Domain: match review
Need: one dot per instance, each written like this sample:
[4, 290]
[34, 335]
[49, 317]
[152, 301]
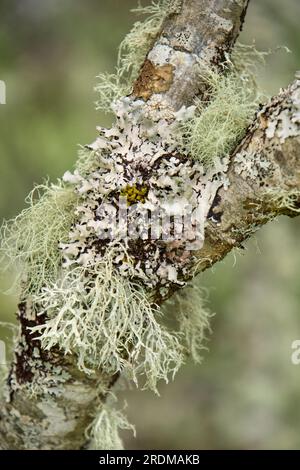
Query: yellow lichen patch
[153, 79]
[134, 194]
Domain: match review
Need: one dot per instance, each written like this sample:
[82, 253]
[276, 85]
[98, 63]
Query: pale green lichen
[220, 121]
[108, 322]
[86, 161]
[104, 431]
[193, 318]
[131, 55]
[284, 199]
[246, 60]
[110, 87]
[30, 242]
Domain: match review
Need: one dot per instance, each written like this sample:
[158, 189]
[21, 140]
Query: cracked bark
[196, 29]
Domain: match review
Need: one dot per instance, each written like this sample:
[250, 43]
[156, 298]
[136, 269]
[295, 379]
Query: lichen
[30, 242]
[104, 431]
[132, 52]
[108, 322]
[246, 60]
[221, 119]
[193, 318]
[286, 199]
[134, 194]
[96, 287]
[252, 165]
[285, 122]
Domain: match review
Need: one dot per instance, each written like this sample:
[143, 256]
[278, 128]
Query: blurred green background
[247, 392]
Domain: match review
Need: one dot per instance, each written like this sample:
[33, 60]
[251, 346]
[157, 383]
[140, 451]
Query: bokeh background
[247, 392]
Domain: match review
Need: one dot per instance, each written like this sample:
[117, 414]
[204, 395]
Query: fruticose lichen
[3, 379]
[132, 52]
[104, 432]
[220, 121]
[193, 318]
[96, 277]
[98, 284]
[108, 322]
[283, 199]
[30, 242]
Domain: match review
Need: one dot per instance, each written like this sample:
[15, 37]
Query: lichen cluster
[193, 318]
[284, 123]
[132, 52]
[283, 199]
[142, 153]
[99, 297]
[281, 122]
[104, 432]
[108, 322]
[30, 242]
[102, 306]
[96, 284]
[252, 165]
[10, 345]
[221, 119]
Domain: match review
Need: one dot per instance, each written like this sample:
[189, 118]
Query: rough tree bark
[267, 185]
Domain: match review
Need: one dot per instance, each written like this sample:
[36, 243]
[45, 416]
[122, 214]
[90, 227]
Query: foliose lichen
[98, 284]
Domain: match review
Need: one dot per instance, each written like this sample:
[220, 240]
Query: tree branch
[50, 402]
[196, 31]
[264, 178]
